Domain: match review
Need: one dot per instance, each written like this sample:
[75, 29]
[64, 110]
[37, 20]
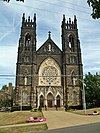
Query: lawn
[24, 129]
[82, 112]
[19, 117]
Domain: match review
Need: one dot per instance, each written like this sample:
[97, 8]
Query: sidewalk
[61, 119]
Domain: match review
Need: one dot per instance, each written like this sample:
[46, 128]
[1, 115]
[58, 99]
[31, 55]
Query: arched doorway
[50, 100]
[41, 101]
[58, 101]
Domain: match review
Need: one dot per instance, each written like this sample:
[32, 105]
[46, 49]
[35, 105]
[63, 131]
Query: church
[48, 76]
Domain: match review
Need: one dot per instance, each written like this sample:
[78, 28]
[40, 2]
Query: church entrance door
[41, 101]
[50, 100]
[58, 101]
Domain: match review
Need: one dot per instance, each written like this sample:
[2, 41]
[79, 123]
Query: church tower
[25, 67]
[72, 63]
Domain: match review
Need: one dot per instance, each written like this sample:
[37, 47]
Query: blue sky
[49, 16]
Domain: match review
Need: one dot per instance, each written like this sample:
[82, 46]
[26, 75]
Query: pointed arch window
[27, 40]
[26, 59]
[73, 60]
[71, 42]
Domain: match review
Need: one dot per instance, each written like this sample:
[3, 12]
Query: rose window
[49, 74]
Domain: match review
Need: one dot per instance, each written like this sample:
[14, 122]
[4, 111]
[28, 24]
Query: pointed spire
[34, 17]
[23, 18]
[64, 18]
[28, 18]
[69, 20]
[75, 20]
[49, 34]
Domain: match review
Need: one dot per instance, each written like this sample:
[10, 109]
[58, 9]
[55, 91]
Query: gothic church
[48, 75]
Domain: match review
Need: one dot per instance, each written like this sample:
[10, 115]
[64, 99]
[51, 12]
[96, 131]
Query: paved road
[61, 119]
[89, 128]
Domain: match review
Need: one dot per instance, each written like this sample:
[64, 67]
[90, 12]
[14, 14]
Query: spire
[75, 21]
[64, 18]
[28, 18]
[34, 17]
[49, 34]
[69, 20]
[23, 18]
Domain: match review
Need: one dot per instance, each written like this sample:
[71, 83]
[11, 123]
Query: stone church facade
[48, 75]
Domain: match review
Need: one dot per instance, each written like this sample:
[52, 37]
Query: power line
[62, 6]
[73, 4]
[52, 11]
[44, 10]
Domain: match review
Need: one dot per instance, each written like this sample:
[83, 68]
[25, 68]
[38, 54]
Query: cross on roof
[49, 33]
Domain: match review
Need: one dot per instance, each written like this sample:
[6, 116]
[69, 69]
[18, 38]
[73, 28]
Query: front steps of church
[54, 109]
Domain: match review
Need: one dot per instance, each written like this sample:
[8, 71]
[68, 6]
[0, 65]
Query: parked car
[31, 119]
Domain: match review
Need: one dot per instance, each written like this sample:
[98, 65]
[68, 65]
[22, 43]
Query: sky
[49, 16]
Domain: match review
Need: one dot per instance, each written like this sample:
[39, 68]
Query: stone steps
[54, 109]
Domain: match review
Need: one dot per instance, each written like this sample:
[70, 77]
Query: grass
[19, 117]
[82, 112]
[24, 129]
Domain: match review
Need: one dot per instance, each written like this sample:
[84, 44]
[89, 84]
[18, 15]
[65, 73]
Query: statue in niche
[25, 81]
[49, 47]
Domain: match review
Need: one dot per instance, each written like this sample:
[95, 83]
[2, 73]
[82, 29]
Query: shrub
[18, 108]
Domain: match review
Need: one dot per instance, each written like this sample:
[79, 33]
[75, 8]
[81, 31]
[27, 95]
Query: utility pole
[84, 99]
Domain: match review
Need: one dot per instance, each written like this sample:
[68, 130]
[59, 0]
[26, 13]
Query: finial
[29, 19]
[34, 17]
[75, 20]
[49, 34]
[69, 20]
[64, 17]
[23, 18]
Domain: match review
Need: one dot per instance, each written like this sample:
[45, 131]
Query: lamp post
[83, 95]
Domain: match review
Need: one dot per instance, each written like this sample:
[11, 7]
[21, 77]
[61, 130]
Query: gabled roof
[50, 47]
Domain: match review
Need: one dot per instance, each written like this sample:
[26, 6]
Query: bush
[18, 108]
[35, 110]
[66, 107]
[78, 107]
[15, 108]
[26, 107]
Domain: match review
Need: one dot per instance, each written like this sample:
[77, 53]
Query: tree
[92, 90]
[8, 97]
[4, 88]
[95, 4]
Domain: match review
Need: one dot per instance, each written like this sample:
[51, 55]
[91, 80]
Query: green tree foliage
[4, 88]
[92, 90]
[7, 100]
[95, 4]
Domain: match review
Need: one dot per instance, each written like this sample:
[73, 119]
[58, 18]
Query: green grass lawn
[24, 129]
[19, 117]
[82, 112]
